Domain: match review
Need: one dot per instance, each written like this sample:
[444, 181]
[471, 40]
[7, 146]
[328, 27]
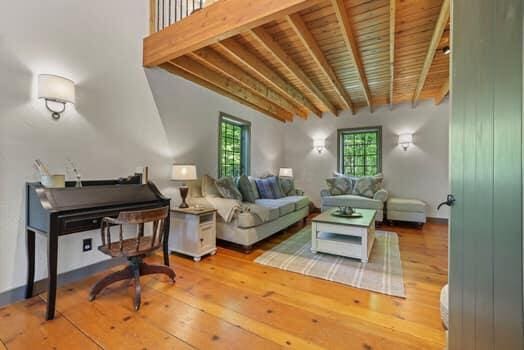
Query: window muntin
[233, 146]
[360, 151]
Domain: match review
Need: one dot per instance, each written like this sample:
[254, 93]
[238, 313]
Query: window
[360, 151]
[233, 146]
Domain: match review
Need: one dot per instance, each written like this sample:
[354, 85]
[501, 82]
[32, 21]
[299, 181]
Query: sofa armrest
[325, 193]
[381, 195]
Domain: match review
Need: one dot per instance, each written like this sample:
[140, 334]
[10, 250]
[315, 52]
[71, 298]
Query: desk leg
[52, 254]
[166, 239]
[30, 263]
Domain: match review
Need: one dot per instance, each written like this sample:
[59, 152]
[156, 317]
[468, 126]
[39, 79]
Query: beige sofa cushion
[283, 206]
[254, 215]
[353, 201]
[299, 201]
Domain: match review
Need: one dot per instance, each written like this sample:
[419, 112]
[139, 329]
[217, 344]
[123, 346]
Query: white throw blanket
[226, 208]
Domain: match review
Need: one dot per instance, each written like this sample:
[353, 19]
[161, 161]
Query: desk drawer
[79, 224]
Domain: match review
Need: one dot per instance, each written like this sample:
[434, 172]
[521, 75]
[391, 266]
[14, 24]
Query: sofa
[246, 223]
[375, 197]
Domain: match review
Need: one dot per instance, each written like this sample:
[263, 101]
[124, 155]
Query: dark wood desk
[56, 212]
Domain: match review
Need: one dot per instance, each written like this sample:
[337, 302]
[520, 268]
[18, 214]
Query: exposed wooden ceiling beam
[266, 74]
[171, 68]
[214, 23]
[392, 20]
[232, 71]
[224, 83]
[272, 46]
[354, 53]
[442, 93]
[442, 21]
[308, 40]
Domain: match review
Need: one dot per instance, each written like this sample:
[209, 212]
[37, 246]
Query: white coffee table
[349, 237]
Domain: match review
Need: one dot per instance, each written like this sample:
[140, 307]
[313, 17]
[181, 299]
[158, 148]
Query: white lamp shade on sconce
[319, 145]
[183, 172]
[285, 172]
[405, 140]
[56, 88]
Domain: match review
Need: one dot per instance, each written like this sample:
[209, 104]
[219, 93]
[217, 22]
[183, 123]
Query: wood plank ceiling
[329, 56]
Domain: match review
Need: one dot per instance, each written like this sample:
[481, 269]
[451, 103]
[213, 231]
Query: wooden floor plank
[109, 324]
[339, 310]
[22, 326]
[228, 301]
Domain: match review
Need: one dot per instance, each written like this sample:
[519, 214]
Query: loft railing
[163, 13]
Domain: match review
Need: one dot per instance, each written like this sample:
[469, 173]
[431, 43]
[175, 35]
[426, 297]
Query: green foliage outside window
[233, 148]
[360, 153]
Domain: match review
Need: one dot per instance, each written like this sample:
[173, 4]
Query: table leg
[166, 239]
[52, 258]
[314, 238]
[30, 263]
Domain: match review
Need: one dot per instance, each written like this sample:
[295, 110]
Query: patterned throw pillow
[339, 185]
[249, 192]
[287, 184]
[254, 186]
[269, 188]
[227, 188]
[209, 187]
[367, 185]
[195, 188]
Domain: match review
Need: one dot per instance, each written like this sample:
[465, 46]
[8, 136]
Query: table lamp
[285, 172]
[181, 173]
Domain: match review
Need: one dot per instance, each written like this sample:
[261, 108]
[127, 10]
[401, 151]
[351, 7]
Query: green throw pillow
[367, 185]
[287, 184]
[339, 185]
[227, 188]
[248, 191]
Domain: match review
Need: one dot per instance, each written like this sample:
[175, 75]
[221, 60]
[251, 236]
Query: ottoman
[405, 209]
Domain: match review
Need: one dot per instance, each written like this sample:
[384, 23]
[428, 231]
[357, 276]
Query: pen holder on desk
[53, 181]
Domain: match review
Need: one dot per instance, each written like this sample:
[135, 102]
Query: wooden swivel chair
[134, 249]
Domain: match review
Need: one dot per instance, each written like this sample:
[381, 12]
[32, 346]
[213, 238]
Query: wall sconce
[58, 91]
[405, 140]
[319, 145]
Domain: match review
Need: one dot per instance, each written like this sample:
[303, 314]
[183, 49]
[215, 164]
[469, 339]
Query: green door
[485, 279]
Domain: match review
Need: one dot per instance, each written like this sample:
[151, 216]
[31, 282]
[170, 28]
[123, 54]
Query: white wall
[124, 117]
[420, 172]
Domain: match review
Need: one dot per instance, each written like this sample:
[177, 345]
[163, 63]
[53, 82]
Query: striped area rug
[383, 272]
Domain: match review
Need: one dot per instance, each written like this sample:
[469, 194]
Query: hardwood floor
[227, 301]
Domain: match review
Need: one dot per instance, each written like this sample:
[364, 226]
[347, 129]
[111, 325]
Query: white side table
[193, 232]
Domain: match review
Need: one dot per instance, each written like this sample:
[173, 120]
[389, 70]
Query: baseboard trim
[437, 220]
[17, 294]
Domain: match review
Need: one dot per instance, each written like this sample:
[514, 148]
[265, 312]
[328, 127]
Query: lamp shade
[56, 88]
[285, 172]
[183, 172]
[319, 143]
[405, 139]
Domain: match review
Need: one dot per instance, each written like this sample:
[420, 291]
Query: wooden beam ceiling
[232, 71]
[171, 68]
[213, 24]
[440, 25]
[295, 57]
[444, 90]
[392, 26]
[350, 41]
[266, 74]
[274, 48]
[308, 40]
[232, 87]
